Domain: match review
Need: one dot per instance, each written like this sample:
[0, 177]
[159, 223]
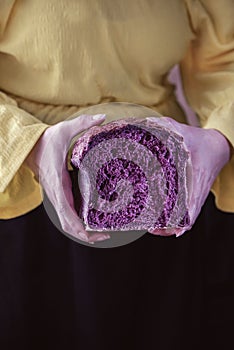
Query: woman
[56, 58]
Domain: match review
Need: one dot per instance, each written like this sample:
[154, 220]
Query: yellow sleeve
[19, 132]
[207, 71]
[22, 195]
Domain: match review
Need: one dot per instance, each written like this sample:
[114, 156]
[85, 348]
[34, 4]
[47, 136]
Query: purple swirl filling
[144, 209]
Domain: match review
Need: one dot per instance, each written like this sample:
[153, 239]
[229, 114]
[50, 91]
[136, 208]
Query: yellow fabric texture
[56, 57]
[208, 77]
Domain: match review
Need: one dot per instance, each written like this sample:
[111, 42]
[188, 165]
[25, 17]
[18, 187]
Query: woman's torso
[58, 56]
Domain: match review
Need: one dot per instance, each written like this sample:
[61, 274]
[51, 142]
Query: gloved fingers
[76, 125]
[69, 219]
[163, 121]
[56, 182]
[71, 224]
[172, 125]
[167, 231]
[97, 236]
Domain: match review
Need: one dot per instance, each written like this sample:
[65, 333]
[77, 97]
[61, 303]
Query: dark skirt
[161, 293]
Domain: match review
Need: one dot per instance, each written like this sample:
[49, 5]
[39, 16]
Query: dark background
[154, 293]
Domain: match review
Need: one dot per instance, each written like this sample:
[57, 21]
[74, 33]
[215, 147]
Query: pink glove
[48, 161]
[209, 151]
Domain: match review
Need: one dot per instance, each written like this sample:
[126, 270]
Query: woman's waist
[54, 113]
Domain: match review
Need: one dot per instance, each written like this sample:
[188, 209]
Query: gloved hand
[48, 162]
[209, 151]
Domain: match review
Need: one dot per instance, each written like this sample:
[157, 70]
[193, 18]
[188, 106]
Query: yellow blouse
[58, 56]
